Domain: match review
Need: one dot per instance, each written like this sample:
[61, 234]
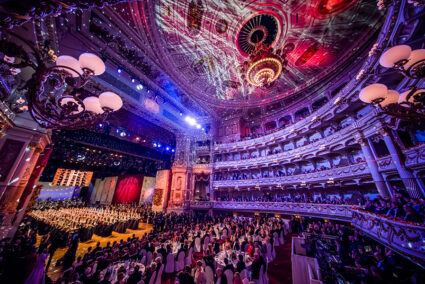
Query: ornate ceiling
[202, 44]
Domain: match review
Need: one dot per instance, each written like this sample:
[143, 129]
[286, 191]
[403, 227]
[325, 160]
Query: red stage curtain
[128, 189]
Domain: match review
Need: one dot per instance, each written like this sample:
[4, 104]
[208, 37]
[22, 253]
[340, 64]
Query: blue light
[159, 145]
[100, 125]
[119, 70]
[181, 114]
[172, 150]
[154, 144]
[167, 148]
[133, 80]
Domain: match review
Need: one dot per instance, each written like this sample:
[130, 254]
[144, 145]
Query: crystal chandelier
[55, 93]
[264, 65]
[410, 104]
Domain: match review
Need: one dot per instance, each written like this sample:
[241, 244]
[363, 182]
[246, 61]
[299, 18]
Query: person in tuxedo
[240, 265]
[228, 266]
[256, 267]
[395, 211]
[184, 277]
[163, 252]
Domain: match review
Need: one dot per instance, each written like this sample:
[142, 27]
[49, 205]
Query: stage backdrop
[103, 190]
[128, 189]
[162, 189]
[147, 190]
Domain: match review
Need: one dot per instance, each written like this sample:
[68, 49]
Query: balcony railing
[415, 156]
[405, 238]
[331, 174]
[329, 211]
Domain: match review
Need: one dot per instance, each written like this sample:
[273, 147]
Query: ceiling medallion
[262, 28]
[265, 65]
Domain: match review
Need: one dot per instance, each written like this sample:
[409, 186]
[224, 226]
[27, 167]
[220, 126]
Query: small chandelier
[264, 66]
[55, 95]
[409, 105]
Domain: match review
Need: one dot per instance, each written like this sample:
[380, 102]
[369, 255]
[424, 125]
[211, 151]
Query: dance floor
[55, 271]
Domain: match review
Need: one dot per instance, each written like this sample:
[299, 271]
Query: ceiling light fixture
[55, 95]
[409, 105]
[264, 65]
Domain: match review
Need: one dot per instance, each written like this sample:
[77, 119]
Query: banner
[103, 191]
[162, 189]
[148, 189]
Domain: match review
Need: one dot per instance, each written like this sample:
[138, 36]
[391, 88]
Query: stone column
[373, 167]
[406, 175]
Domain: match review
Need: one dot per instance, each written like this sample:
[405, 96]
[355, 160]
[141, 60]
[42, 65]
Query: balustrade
[337, 212]
[406, 238]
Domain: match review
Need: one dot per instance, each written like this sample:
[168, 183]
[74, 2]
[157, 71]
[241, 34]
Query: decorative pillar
[406, 176]
[181, 181]
[373, 167]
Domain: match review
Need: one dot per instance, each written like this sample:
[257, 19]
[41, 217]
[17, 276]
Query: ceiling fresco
[202, 45]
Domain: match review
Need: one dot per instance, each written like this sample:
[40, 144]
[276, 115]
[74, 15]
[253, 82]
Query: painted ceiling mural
[204, 43]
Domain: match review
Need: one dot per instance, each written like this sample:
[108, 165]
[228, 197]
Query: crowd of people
[59, 203]
[346, 253]
[63, 222]
[401, 207]
[299, 198]
[278, 173]
[190, 248]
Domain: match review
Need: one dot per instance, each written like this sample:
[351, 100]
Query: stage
[55, 271]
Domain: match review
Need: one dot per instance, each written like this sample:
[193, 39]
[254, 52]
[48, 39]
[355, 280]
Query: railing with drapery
[404, 237]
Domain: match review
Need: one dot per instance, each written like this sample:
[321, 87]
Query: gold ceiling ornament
[265, 65]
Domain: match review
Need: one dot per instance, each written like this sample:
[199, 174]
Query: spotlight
[133, 80]
[100, 125]
[122, 134]
[181, 114]
[172, 150]
[119, 70]
[198, 126]
[154, 144]
[159, 145]
[167, 148]
[190, 120]
[203, 129]
[139, 87]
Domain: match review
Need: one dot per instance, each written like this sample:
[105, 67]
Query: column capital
[362, 141]
[383, 132]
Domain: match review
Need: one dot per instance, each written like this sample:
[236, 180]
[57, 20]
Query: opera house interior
[212, 141]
